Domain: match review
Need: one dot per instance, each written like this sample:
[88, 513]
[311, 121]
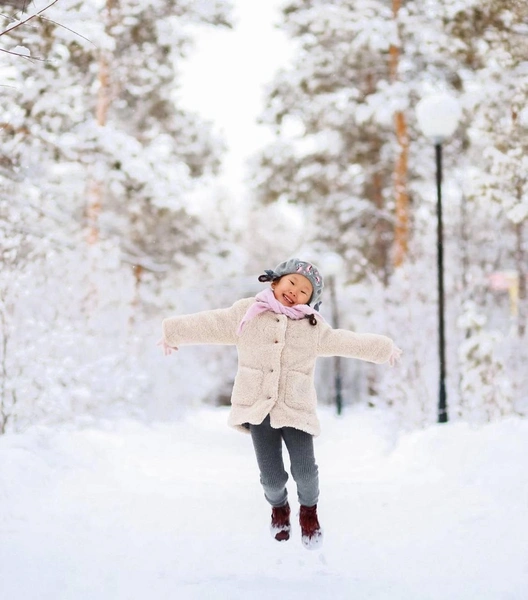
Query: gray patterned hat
[294, 265]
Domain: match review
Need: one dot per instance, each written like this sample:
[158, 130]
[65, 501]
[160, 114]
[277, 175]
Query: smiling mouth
[287, 299]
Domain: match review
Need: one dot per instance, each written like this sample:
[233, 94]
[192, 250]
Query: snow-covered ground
[175, 511]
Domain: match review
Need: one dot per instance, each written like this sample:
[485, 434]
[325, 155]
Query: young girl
[279, 334]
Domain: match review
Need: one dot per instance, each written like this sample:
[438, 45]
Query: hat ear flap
[269, 275]
[316, 307]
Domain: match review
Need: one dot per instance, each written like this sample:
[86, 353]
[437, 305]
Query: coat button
[271, 370]
[278, 320]
[276, 341]
[269, 397]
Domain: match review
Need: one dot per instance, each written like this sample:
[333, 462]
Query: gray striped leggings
[273, 477]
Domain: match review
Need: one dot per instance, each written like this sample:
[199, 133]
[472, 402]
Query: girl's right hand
[167, 349]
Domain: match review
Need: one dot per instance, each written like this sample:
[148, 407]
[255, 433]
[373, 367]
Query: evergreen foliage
[112, 214]
[99, 166]
[359, 69]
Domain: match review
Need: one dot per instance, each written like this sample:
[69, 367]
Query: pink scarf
[266, 301]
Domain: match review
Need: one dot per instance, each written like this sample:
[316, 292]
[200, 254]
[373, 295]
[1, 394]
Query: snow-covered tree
[330, 154]
[497, 96]
[485, 389]
[348, 150]
[101, 165]
[116, 152]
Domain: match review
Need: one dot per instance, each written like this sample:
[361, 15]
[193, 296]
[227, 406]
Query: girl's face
[292, 289]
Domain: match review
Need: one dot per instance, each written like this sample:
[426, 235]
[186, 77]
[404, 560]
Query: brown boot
[280, 522]
[312, 534]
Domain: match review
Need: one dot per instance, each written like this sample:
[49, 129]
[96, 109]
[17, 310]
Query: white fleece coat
[276, 360]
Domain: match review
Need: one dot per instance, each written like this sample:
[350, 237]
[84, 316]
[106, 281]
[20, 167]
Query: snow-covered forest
[112, 215]
[119, 479]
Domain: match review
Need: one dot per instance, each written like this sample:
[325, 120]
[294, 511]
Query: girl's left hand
[395, 356]
[167, 349]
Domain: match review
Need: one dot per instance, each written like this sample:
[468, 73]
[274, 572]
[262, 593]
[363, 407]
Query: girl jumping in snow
[279, 334]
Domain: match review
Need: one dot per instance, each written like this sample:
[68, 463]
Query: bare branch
[38, 15]
[18, 4]
[67, 29]
[29, 18]
[21, 55]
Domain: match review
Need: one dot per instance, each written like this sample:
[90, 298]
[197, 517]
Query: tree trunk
[95, 186]
[520, 263]
[136, 300]
[380, 249]
[401, 229]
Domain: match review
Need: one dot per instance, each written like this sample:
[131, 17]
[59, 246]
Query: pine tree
[344, 116]
[334, 162]
[100, 165]
[496, 49]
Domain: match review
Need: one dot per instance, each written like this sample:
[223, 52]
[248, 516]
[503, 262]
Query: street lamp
[332, 264]
[438, 118]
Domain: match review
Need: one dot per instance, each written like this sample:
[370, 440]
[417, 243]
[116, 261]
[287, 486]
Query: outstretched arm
[364, 346]
[206, 327]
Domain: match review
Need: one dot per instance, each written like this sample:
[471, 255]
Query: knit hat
[301, 267]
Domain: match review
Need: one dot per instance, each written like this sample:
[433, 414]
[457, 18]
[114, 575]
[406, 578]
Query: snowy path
[175, 512]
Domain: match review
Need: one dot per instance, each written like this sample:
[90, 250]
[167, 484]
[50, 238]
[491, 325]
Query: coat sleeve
[206, 327]
[364, 346]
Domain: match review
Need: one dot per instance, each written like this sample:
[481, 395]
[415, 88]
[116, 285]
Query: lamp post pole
[442, 396]
[332, 265]
[438, 117]
[338, 382]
